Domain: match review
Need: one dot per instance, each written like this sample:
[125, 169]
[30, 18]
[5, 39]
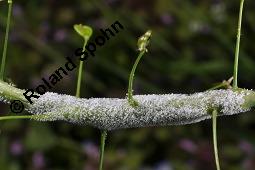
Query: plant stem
[214, 127]
[217, 86]
[156, 111]
[16, 117]
[6, 40]
[131, 79]
[238, 44]
[78, 88]
[102, 146]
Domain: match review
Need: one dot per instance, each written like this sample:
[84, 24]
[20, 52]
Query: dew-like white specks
[153, 110]
[4, 98]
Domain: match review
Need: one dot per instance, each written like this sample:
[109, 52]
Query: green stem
[238, 44]
[10, 93]
[16, 117]
[214, 126]
[218, 86]
[104, 133]
[102, 146]
[131, 79]
[78, 88]
[6, 40]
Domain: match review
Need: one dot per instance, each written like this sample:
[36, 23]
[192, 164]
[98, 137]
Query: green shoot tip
[83, 30]
[143, 41]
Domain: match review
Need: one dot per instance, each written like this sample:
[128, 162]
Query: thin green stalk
[16, 117]
[6, 40]
[131, 79]
[214, 127]
[78, 88]
[142, 44]
[102, 146]
[86, 32]
[238, 44]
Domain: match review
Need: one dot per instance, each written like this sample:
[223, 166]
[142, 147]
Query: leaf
[83, 30]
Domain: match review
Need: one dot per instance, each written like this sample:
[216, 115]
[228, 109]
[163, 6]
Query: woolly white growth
[153, 110]
[3, 98]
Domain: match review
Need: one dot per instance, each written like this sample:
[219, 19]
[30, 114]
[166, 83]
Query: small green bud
[143, 41]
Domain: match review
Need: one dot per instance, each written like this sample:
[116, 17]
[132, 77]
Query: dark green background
[191, 49]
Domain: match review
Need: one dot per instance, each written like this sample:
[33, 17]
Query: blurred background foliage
[191, 49]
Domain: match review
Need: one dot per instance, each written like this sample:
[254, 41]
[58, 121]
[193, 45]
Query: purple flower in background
[17, 11]
[246, 147]
[38, 160]
[91, 150]
[166, 19]
[164, 165]
[16, 148]
[204, 152]
[188, 145]
[60, 35]
[249, 164]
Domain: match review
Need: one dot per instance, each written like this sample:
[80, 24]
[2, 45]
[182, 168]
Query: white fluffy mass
[153, 110]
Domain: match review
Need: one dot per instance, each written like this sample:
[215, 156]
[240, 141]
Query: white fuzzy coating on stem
[153, 110]
[4, 100]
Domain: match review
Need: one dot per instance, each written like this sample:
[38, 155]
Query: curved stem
[78, 88]
[102, 146]
[131, 79]
[238, 44]
[214, 127]
[6, 40]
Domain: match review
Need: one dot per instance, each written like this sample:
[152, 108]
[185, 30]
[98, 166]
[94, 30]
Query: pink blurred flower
[166, 19]
[246, 147]
[38, 160]
[188, 145]
[91, 150]
[16, 148]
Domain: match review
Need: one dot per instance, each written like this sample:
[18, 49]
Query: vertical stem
[102, 146]
[238, 44]
[78, 88]
[131, 77]
[214, 126]
[6, 40]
